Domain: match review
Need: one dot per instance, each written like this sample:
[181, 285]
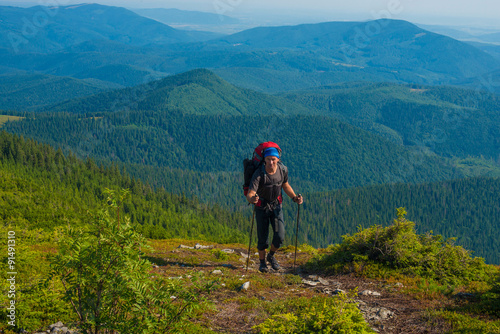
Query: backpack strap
[284, 169]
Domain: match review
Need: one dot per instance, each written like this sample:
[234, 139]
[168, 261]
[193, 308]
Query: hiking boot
[274, 263]
[263, 268]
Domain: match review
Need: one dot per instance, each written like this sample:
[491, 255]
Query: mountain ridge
[466, 120]
[28, 92]
[380, 43]
[65, 26]
[322, 53]
[189, 92]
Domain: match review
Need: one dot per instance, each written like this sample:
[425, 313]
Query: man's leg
[262, 237]
[262, 253]
[278, 236]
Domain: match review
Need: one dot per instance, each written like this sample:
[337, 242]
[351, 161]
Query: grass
[6, 118]
[474, 167]
[466, 324]
[232, 310]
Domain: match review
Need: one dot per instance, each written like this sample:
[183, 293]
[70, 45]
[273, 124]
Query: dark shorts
[273, 218]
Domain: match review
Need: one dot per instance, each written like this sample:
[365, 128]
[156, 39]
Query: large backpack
[251, 165]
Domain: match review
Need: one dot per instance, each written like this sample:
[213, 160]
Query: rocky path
[384, 305]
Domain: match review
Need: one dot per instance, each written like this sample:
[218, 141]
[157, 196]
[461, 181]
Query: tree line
[43, 188]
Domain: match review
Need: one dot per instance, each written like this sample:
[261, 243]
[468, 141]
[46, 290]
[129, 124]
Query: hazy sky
[458, 12]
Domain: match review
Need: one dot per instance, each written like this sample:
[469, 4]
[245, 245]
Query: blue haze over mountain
[116, 45]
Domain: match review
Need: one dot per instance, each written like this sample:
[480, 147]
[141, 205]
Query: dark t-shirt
[270, 187]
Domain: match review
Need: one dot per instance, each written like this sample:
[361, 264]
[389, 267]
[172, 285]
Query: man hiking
[265, 192]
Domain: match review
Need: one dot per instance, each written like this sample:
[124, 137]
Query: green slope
[448, 121]
[323, 152]
[71, 25]
[196, 92]
[42, 188]
[25, 92]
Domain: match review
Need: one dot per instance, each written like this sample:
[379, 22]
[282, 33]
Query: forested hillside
[28, 92]
[94, 21]
[209, 167]
[323, 152]
[40, 187]
[189, 134]
[196, 92]
[448, 121]
[465, 209]
[66, 186]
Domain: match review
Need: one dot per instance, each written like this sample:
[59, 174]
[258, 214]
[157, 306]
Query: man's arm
[289, 191]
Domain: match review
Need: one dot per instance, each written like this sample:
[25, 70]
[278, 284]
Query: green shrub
[108, 282]
[315, 315]
[382, 251]
[464, 324]
[304, 248]
[219, 254]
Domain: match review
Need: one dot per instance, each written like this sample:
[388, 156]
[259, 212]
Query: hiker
[265, 192]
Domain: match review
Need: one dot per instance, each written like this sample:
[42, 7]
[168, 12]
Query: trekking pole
[250, 242]
[296, 234]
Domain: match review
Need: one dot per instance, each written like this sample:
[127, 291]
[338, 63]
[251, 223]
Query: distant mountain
[290, 57]
[492, 38]
[391, 44]
[65, 26]
[217, 24]
[173, 16]
[25, 92]
[491, 49]
[123, 75]
[449, 121]
[304, 36]
[468, 34]
[452, 32]
[198, 92]
[104, 60]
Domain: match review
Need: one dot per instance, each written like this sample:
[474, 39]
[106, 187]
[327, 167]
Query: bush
[464, 324]
[107, 280]
[316, 315]
[398, 248]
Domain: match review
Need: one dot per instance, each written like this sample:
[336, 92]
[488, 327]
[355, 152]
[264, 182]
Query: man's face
[271, 161]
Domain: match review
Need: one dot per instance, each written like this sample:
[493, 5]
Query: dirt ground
[404, 314]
